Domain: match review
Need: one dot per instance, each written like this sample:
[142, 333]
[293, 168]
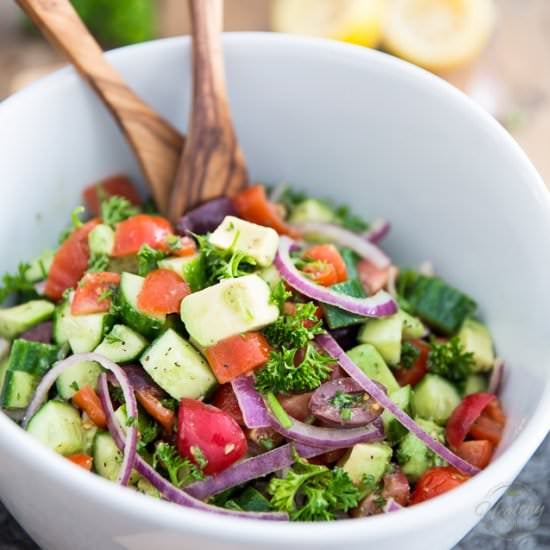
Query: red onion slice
[379, 305]
[251, 468]
[377, 231]
[496, 376]
[41, 395]
[169, 491]
[250, 402]
[336, 352]
[392, 506]
[343, 237]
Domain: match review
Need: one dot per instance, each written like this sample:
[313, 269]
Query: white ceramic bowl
[340, 121]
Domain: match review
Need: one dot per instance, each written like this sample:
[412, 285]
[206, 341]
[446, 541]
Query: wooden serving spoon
[212, 163]
[155, 142]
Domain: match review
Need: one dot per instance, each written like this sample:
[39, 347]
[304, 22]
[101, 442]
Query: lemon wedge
[356, 21]
[439, 35]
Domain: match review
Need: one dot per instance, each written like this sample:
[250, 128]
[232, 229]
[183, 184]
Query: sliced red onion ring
[343, 237]
[379, 305]
[129, 448]
[392, 506]
[251, 468]
[250, 402]
[496, 376]
[335, 351]
[169, 491]
[377, 231]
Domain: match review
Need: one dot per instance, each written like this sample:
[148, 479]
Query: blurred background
[497, 51]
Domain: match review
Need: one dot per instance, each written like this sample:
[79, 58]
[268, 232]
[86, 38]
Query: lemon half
[356, 21]
[439, 35]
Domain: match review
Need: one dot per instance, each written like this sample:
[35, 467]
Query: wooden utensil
[155, 142]
[212, 163]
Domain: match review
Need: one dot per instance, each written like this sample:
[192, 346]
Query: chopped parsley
[98, 262]
[199, 457]
[181, 471]
[450, 360]
[74, 386]
[279, 295]
[17, 284]
[313, 493]
[117, 209]
[75, 223]
[345, 402]
[148, 259]
[409, 355]
[112, 338]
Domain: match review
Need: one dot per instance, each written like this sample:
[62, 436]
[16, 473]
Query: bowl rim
[170, 516]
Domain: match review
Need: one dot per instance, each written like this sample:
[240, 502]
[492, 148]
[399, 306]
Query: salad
[264, 358]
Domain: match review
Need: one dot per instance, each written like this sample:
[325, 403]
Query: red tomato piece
[208, 431]
[252, 205]
[372, 277]
[226, 400]
[396, 486]
[477, 453]
[435, 482]
[162, 292]
[185, 247]
[484, 428]
[87, 400]
[329, 254]
[416, 372]
[321, 273]
[70, 262]
[133, 233]
[465, 414]
[237, 355]
[153, 406]
[119, 186]
[82, 460]
[93, 293]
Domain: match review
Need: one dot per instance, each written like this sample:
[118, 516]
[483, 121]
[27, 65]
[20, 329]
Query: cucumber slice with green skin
[394, 430]
[367, 358]
[435, 398]
[385, 335]
[122, 344]
[251, 500]
[101, 240]
[311, 210]
[58, 426]
[108, 458]
[189, 268]
[39, 268]
[338, 318]
[90, 431]
[177, 367]
[27, 363]
[475, 383]
[3, 369]
[76, 377]
[351, 259]
[366, 459]
[82, 332]
[127, 298]
[413, 455]
[16, 320]
[476, 338]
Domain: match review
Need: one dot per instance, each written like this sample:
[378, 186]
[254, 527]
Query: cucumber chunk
[475, 338]
[311, 210]
[58, 426]
[385, 335]
[16, 320]
[189, 268]
[177, 367]
[394, 430]
[367, 358]
[435, 398]
[366, 459]
[475, 383]
[122, 344]
[412, 326]
[127, 298]
[39, 268]
[107, 457]
[76, 377]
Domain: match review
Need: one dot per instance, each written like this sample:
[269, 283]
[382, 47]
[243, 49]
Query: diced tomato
[486, 428]
[418, 369]
[494, 411]
[82, 460]
[477, 453]
[435, 482]
[465, 414]
[93, 294]
[88, 401]
[329, 254]
[185, 247]
[70, 262]
[133, 233]
[119, 186]
[396, 486]
[237, 355]
[372, 277]
[226, 400]
[208, 431]
[162, 292]
[154, 407]
[252, 205]
[296, 405]
[321, 273]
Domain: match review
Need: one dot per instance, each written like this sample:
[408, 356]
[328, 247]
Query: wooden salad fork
[212, 163]
[157, 145]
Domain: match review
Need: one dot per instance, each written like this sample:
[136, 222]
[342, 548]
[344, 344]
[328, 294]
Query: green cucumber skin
[338, 318]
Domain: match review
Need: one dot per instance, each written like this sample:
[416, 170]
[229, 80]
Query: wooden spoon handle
[212, 163]
[156, 143]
